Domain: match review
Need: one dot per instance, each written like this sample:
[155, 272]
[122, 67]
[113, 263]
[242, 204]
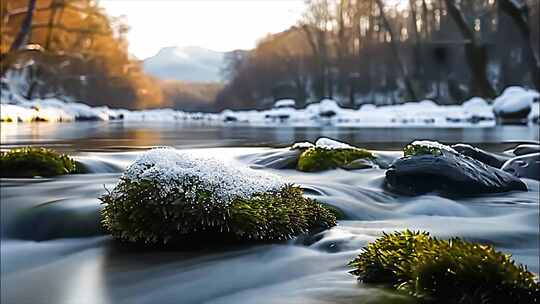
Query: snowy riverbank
[514, 102]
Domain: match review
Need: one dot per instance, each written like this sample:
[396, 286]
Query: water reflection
[125, 135]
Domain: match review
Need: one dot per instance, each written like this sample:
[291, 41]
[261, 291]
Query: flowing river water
[50, 252]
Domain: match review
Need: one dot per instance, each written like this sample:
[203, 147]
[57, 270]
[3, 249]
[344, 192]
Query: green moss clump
[319, 158]
[30, 162]
[414, 149]
[138, 212]
[338, 213]
[445, 271]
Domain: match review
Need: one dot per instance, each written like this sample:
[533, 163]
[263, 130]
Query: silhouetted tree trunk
[25, 27]
[425, 24]
[418, 67]
[395, 52]
[521, 19]
[475, 54]
[56, 9]
[317, 42]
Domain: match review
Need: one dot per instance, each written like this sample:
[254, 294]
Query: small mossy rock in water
[171, 197]
[30, 162]
[59, 219]
[329, 154]
[445, 271]
[439, 168]
[487, 158]
[524, 166]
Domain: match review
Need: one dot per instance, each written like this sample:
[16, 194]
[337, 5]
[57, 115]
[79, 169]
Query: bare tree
[25, 27]
[316, 24]
[395, 52]
[475, 54]
[520, 17]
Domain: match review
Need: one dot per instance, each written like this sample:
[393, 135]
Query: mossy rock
[328, 154]
[433, 167]
[445, 271]
[31, 161]
[319, 158]
[168, 197]
[337, 212]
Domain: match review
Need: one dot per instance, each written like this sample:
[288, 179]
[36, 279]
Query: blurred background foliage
[78, 51]
[387, 52]
[355, 51]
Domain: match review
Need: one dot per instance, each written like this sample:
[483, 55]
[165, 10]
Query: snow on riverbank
[426, 113]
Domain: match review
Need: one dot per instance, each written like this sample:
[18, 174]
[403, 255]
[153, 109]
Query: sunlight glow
[214, 24]
[399, 5]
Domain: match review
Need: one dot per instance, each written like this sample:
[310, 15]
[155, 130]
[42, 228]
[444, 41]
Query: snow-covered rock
[172, 170]
[282, 110]
[329, 144]
[475, 103]
[285, 103]
[515, 101]
[328, 108]
[179, 197]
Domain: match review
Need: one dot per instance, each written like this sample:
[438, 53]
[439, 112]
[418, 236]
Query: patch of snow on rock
[433, 144]
[515, 100]
[285, 103]
[176, 171]
[327, 143]
[302, 145]
[475, 102]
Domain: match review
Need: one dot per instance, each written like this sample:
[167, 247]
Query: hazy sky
[220, 25]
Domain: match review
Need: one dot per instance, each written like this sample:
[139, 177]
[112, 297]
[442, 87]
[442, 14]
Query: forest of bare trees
[385, 52]
[72, 50]
[354, 51]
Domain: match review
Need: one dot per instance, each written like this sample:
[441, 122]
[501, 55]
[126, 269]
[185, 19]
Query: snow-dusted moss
[31, 161]
[329, 154]
[168, 196]
[445, 271]
[422, 147]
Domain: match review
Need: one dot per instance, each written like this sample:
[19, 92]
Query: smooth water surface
[40, 267]
[124, 135]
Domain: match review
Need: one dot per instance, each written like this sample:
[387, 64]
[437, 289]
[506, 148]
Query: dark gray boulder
[524, 166]
[487, 158]
[448, 173]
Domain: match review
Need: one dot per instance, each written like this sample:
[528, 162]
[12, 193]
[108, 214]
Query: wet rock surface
[487, 158]
[524, 166]
[526, 149]
[448, 173]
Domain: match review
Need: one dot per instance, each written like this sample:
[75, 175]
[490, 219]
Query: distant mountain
[192, 63]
